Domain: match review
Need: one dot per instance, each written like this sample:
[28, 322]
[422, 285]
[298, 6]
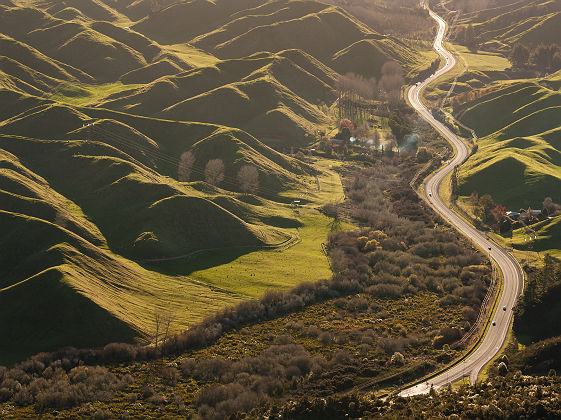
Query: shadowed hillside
[251, 93]
[500, 24]
[128, 131]
[519, 156]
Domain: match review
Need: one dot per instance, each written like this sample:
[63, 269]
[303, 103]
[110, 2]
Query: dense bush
[55, 387]
[511, 397]
[403, 255]
[245, 383]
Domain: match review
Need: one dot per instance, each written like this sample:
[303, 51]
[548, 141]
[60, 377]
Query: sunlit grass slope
[239, 29]
[547, 236]
[267, 94]
[90, 46]
[519, 156]
[67, 250]
[501, 24]
[99, 99]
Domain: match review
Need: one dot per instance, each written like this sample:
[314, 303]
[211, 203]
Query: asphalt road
[513, 278]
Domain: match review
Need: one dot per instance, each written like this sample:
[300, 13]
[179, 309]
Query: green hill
[114, 202]
[35, 60]
[518, 160]
[99, 102]
[183, 21]
[266, 14]
[151, 72]
[256, 94]
[320, 34]
[501, 24]
[366, 57]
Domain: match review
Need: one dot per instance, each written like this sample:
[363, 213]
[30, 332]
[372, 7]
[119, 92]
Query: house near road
[514, 215]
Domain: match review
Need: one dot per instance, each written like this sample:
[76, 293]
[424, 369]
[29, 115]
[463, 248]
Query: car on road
[494, 323]
[504, 308]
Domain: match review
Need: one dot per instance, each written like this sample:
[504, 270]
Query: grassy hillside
[256, 93]
[328, 33]
[500, 24]
[121, 205]
[519, 158]
[99, 102]
[112, 50]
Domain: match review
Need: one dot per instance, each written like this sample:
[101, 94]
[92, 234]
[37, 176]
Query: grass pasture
[84, 258]
[472, 71]
[251, 274]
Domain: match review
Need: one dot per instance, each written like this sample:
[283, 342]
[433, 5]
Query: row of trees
[357, 93]
[543, 57]
[247, 177]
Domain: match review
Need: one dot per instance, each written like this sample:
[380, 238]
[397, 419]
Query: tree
[185, 167]
[354, 92]
[519, 56]
[345, 127]
[556, 61]
[248, 177]
[542, 57]
[499, 213]
[474, 198]
[502, 369]
[400, 126]
[469, 38]
[486, 204]
[391, 82]
[423, 155]
[214, 171]
[157, 322]
[155, 6]
[549, 207]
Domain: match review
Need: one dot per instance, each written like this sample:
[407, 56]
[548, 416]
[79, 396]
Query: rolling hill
[240, 29]
[120, 206]
[502, 23]
[256, 93]
[518, 160]
[82, 236]
[99, 102]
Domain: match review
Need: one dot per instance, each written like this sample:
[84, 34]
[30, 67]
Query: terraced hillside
[110, 111]
[518, 160]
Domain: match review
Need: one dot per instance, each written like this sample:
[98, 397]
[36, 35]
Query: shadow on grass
[198, 262]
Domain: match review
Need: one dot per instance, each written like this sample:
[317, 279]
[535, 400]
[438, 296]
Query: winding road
[512, 275]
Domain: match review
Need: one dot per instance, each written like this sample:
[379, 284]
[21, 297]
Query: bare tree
[248, 177]
[155, 6]
[355, 92]
[214, 171]
[392, 81]
[185, 167]
[168, 320]
[157, 322]
[550, 207]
